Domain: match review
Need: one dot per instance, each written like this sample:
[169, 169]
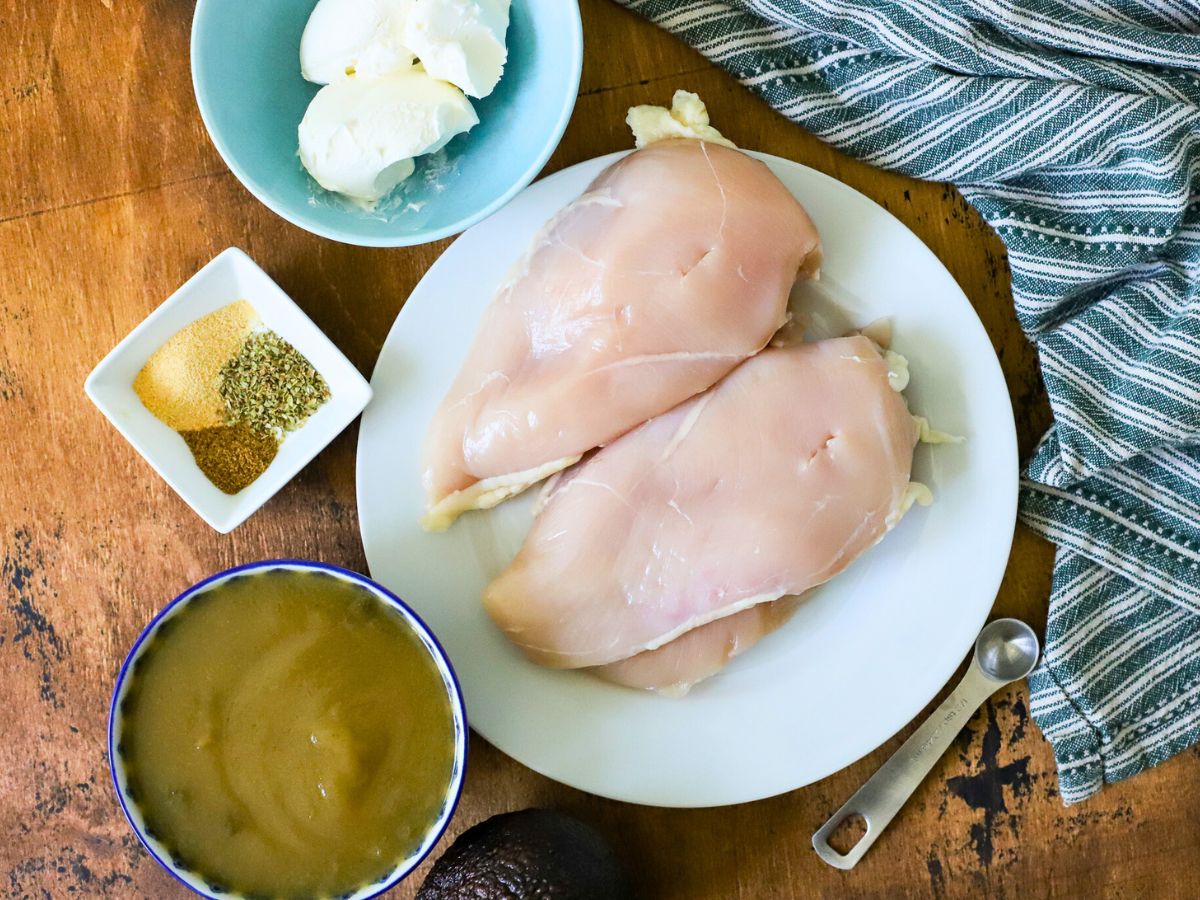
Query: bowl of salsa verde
[287, 729]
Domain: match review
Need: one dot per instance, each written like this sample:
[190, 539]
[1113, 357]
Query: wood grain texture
[112, 196]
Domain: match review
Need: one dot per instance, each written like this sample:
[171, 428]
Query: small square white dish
[229, 277]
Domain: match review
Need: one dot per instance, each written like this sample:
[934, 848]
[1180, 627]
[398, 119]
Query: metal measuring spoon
[1005, 651]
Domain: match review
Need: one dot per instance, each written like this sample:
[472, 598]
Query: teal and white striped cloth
[1073, 126]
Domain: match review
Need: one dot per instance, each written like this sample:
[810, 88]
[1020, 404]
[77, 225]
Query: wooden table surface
[111, 196]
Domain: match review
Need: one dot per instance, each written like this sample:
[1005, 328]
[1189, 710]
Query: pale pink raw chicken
[674, 668]
[767, 485]
[672, 268]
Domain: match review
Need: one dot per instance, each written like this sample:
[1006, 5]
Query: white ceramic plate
[862, 656]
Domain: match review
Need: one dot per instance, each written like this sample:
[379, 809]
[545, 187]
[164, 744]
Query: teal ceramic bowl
[246, 73]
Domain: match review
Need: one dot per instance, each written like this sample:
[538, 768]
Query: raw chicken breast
[767, 485]
[672, 268]
[674, 668]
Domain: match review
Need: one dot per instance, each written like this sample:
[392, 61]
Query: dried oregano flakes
[270, 385]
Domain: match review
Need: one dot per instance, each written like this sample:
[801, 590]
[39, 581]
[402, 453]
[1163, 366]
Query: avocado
[534, 854]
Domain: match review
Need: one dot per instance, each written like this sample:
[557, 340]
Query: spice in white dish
[178, 383]
[232, 390]
[270, 385]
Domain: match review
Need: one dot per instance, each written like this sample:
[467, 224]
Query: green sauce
[287, 735]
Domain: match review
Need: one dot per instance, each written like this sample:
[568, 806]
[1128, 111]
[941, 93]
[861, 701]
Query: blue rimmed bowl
[246, 74]
[161, 853]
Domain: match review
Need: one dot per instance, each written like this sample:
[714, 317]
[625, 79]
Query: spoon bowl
[1006, 650]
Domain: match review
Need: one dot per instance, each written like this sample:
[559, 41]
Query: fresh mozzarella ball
[359, 135]
[460, 41]
[344, 38]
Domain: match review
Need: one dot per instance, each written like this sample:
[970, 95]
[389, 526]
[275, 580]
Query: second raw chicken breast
[767, 485]
[674, 668]
[672, 268]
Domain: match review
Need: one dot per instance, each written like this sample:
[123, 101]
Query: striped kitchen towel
[1073, 126]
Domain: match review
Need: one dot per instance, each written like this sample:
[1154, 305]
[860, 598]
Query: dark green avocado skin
[535, 854]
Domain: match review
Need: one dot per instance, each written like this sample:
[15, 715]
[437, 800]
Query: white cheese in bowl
[349, 38]
[460, 41]
[395, 74]
[359, 135]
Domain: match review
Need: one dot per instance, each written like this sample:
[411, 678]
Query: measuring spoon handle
[887, 790]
